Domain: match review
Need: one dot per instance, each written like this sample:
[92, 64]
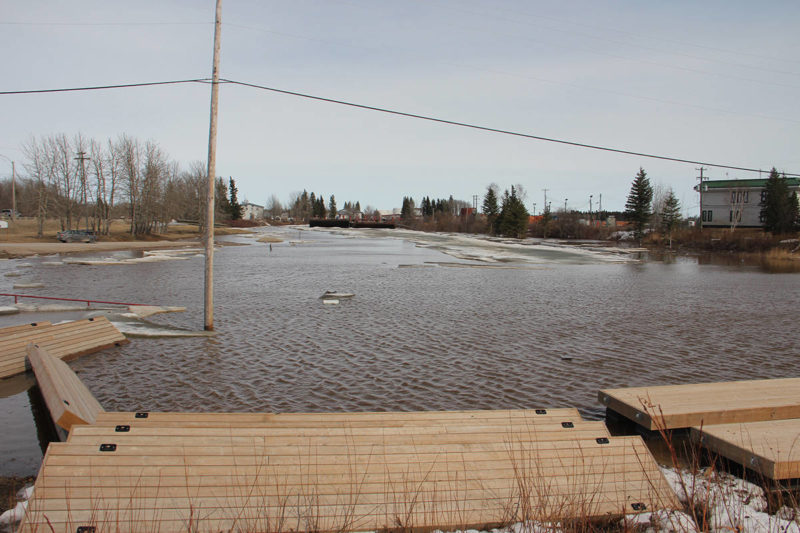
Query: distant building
[252, 211]
[734, 203]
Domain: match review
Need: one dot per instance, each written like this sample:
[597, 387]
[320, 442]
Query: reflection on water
[544, 325]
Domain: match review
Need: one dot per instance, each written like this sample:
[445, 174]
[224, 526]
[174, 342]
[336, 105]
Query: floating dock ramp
[754, 423]
[339, 471]
[65, 341]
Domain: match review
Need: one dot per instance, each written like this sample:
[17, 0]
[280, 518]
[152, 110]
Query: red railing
[88, 302]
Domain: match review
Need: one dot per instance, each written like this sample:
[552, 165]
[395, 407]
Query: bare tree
[40, 168]
[273, 207]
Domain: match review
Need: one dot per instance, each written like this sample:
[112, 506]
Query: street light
[13, 187]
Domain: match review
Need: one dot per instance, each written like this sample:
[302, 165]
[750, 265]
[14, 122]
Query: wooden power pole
[212, 172]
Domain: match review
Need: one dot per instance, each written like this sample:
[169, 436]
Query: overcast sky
[714, 81]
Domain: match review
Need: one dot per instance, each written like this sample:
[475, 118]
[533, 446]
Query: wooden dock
[754, 423]
[683, 406]
[770, 448]
[338, 471]
[66, 341]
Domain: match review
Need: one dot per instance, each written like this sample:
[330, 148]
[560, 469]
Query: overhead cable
[496, 130]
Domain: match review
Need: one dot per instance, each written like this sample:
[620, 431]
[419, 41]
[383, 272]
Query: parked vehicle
[77, 235]
[6, 213]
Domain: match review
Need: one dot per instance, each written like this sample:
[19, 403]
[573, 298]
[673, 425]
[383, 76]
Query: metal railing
[88, 302]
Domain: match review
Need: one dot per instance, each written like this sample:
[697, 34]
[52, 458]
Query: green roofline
[750, 183]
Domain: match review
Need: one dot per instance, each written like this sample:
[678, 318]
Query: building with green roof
[735, 203]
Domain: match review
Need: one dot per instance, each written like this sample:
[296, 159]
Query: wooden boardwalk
[66, 341]
[338, 471]
[683, 406]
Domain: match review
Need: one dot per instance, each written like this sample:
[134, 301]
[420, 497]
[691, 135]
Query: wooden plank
[67, 398]
[11, 330]
[683, 406]
[167, 486]
[500, 418]
[418, 434]
[65, 341]
[771, 448]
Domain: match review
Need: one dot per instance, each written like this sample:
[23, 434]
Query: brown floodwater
[437, 322]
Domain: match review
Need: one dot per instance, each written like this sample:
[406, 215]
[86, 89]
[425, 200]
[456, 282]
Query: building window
[733, 197]
[746, 196]
[761, 218]
[706, 216]
[730, 219]
[763, 196]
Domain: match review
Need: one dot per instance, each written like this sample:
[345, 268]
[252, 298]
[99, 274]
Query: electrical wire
[496, 130]
[402, 114]
[102, 87]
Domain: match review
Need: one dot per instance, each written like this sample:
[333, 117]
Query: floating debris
[330, 302]
[28, 285]
[334, 295]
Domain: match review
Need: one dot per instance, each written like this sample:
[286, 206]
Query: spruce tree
[513, 218]
[670, 215]
[490, 207]
[637, 208]
[235, 209]
[332, 207]
[779, 209]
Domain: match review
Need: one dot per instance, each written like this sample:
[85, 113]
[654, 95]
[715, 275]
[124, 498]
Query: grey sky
[713, 81]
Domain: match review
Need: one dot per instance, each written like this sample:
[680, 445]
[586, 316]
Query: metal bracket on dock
[541, 411]
[567, 425]
[86, 529]
[108, 447]
[122, 429]
[141, 415]
[638, 506]
[602, 440]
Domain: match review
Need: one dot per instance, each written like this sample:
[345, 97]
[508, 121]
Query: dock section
[65, 341]
[770, 448]
[683, 406]
[69, 401]
[338, 471]
[753, 423]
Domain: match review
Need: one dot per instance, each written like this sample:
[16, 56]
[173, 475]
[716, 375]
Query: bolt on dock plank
[338, 471]
[66, 341]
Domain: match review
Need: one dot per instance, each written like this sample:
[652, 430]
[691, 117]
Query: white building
[734, 203]
[252, 211]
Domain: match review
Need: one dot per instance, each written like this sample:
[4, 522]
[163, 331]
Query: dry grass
[26, 230]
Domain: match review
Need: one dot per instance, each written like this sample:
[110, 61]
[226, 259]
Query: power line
[102, 87]
[496, 130]
[403, 114]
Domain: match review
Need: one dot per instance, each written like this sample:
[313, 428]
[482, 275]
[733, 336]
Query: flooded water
[437, 322]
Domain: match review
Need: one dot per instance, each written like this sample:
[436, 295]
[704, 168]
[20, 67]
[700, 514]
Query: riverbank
[20, 239]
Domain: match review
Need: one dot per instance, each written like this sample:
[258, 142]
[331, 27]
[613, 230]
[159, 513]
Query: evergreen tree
[332, 207]
[670, 215]
[312, 200]
[235, 209]
[490, 207]
[221, 202]
[358, 205]
[637, 208]
[779, 210]
[513, 218]
[407, 211]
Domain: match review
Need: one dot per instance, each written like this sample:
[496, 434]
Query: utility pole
[545, 197]
[13, 191]
[534, 208]
[212, 172]
[700, 190]
[565, 205]
[82, 158]
[590, 208]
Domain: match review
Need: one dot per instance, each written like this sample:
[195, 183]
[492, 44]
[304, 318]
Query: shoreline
[16, 250]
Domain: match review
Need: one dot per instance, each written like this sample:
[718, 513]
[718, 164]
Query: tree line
[85, 182]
